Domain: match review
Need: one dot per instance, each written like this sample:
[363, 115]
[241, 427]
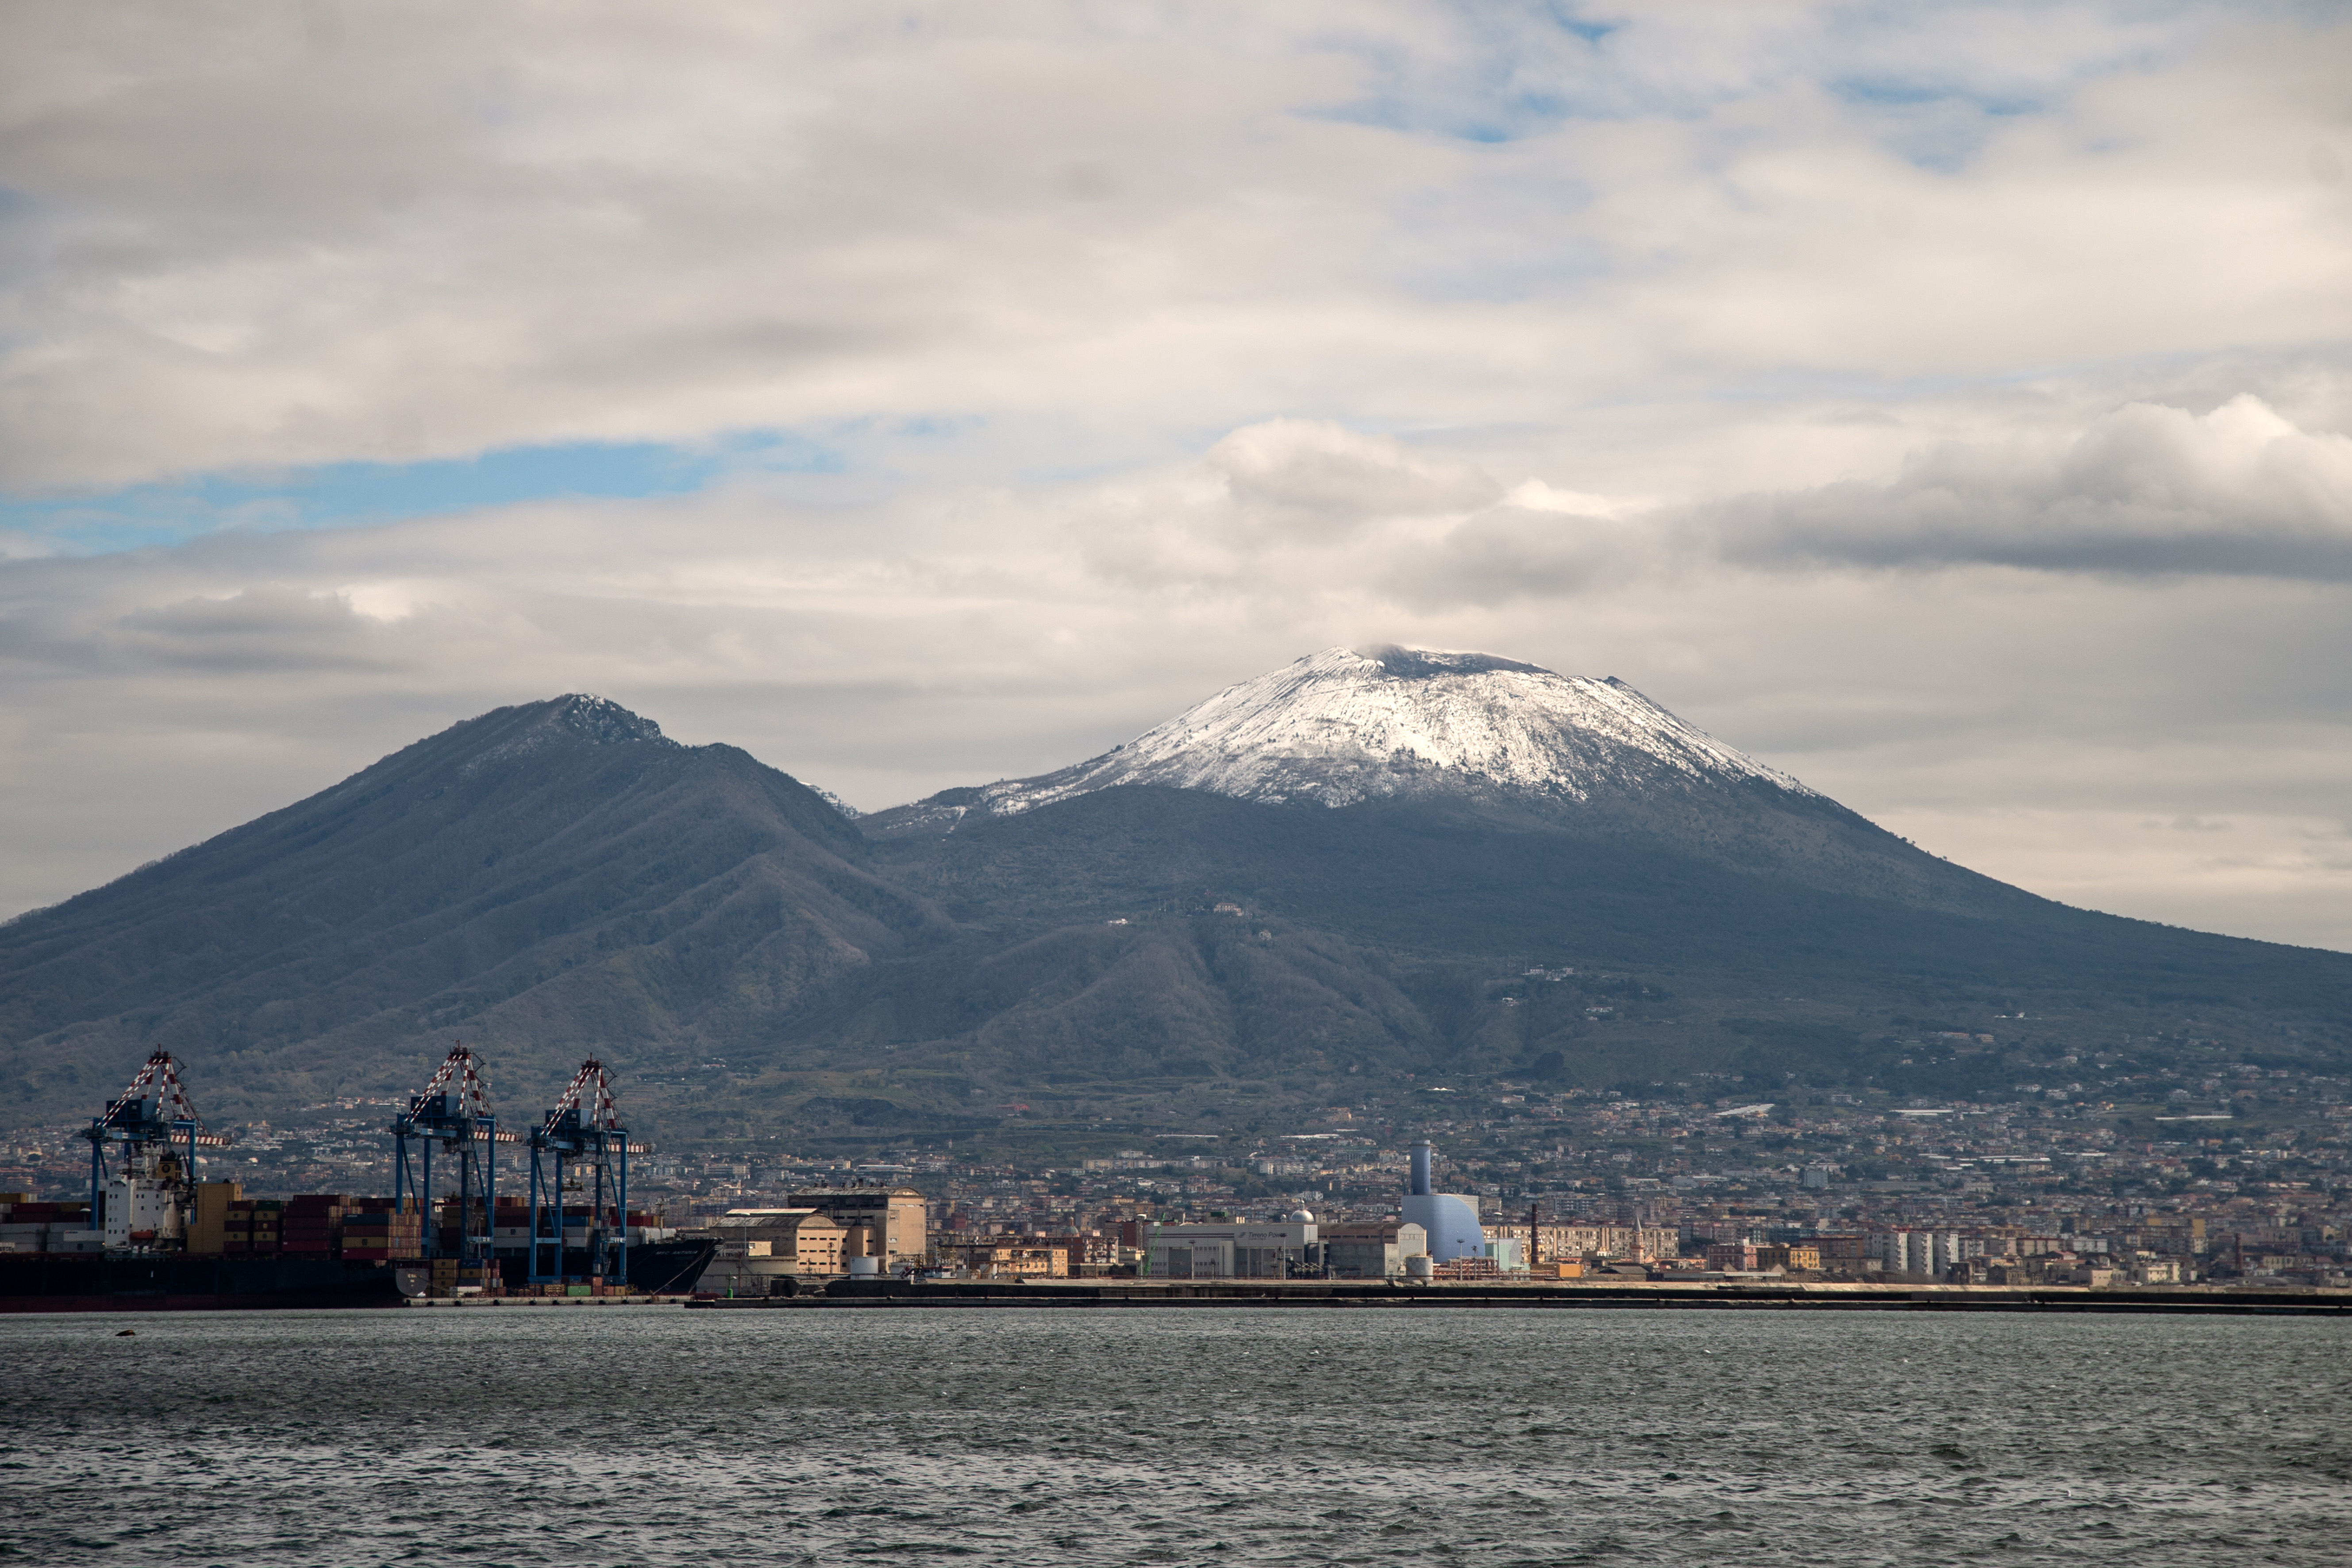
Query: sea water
[656, 1436]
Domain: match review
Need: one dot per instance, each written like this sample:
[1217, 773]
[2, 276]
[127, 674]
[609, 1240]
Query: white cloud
[1317, 475]
[2146, 489]
[1950, 406]
[886, 643]
[1534, 495]
[450, 228]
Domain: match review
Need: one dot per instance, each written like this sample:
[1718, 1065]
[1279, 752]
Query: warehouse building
[897, 1216]
[1373, 1250]
[1236, 1249]
[760, 1248]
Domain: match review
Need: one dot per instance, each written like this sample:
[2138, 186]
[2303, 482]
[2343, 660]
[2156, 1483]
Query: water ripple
[662, 1437]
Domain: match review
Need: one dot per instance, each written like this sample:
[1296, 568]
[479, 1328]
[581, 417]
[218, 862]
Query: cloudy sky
[1949, 404]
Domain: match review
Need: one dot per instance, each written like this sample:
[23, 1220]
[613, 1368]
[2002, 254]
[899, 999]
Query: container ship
[151, 1237]
[53, 1268]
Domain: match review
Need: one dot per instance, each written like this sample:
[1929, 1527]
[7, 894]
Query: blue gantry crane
[453, 1110]
[145, 1121]
[584, 1133]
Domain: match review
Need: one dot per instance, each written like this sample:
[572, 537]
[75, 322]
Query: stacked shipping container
[226, 1221]
[372, 1231]
[28, 1226]
[449, 1276]
[252, 1225]
[313, 1225]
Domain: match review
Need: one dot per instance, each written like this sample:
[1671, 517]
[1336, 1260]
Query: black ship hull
[655, 1268]
[668, 1268]
[90, 1282]
[71, 1282]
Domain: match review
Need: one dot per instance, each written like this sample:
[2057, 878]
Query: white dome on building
[1301, 1216]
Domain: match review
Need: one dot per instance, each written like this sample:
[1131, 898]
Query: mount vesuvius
[1364, 866]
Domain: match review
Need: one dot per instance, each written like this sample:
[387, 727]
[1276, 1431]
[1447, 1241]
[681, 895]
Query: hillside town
[2251, 1185]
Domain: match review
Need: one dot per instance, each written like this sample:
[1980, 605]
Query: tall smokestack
[1421, 1168]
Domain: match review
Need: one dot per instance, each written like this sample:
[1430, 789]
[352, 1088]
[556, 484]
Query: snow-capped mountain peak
[1344, 726]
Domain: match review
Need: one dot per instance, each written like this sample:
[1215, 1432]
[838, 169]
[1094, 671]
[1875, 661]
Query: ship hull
[65, 1282]
[655, 1268]
[668, 1268]
[71, 1282]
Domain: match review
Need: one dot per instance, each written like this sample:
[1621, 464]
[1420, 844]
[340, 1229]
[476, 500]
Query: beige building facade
[1553, 1242]
[1012, 1258]
[899, 1217]
[758, 1248]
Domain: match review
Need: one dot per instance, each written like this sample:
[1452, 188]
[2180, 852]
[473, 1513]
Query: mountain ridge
[463, 879]
[559, 878]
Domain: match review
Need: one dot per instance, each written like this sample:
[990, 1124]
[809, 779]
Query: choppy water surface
[656, 1436]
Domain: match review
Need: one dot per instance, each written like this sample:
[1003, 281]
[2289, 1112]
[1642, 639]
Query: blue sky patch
[333, 495]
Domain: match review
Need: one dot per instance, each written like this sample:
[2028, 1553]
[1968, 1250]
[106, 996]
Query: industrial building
[1449, 1221]
[896, 1216]
[1373, 1250]
[1236, 1249]
[759, 1249]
